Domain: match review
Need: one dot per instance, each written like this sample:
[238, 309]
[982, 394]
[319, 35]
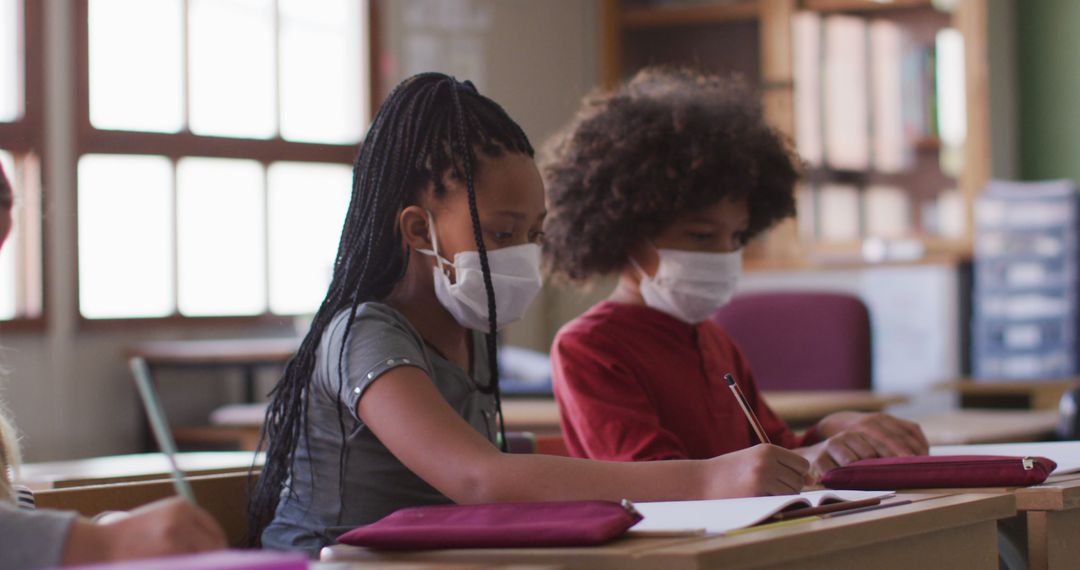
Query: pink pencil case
[501, 525]
[217, 560]
[940, 471]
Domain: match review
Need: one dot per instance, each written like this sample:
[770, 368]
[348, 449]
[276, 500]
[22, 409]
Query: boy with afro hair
[663, 182]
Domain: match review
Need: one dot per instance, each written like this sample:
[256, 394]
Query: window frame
[27, 136]
[174, 146]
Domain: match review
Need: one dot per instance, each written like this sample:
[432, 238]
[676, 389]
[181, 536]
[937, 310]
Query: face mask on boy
[515, 276]
[691, 285]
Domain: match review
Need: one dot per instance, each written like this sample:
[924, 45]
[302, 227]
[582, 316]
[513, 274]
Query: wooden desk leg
[1053, 539]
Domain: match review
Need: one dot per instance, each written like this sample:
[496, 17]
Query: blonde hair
[9, 456]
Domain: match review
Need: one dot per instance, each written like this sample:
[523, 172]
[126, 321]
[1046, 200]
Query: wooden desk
[224, 496]
[241, 422]
[1053, 522]
[961, 427]
[797, 408]
[126, 468]
[1030, 395]
[804, 408]
[939, 532]
[1051, 513]
[246, 354]
[232, 352]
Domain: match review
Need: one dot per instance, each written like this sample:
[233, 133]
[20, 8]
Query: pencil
[156, 415]
[750, 417]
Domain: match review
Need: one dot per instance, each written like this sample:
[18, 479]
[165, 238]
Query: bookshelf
[755, 39]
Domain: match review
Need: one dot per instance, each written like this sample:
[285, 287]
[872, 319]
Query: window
[215, 159]
[20, 136]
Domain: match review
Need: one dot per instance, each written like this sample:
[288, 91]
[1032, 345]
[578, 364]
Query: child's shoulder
[606, 322]
[370, 311]
[600, 316]
[373, 320]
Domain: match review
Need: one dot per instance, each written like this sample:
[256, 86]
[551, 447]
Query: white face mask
[691, 285]
[515, 276]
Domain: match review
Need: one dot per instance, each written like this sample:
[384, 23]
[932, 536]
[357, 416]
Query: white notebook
[1065, 453]
[724, 515]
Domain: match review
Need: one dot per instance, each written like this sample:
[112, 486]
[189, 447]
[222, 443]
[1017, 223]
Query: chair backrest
[224, 496]
[802, 340]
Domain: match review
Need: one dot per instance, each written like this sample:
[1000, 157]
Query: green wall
[1048, 82]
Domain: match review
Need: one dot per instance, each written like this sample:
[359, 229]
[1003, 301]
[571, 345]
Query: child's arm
[408, 414]
[168, 527]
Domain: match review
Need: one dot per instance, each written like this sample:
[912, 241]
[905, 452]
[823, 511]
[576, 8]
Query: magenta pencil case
[501, 525]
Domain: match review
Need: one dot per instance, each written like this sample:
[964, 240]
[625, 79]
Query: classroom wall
[1048, 48]
[1004, 111]
[68, 387]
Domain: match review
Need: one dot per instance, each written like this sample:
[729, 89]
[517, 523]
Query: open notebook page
[1065, 453]
[724, 515]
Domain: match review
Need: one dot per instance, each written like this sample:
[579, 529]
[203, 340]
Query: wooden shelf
[810, 263]
[652, 17]
[848, 255]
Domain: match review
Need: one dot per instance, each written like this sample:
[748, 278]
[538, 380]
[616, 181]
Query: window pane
[136, 65]
[220, 236]
[306, 211]
[125, 236]
[8, 279]
[10, 60]
[231, 45]
[324, 96]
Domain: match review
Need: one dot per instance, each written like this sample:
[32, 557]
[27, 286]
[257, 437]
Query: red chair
[802, 340]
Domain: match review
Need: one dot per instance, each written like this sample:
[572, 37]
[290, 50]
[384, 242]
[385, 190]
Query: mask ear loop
[641, 272]
[638, 267]
[434, 252]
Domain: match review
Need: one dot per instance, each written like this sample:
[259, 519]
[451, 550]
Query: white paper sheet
[724, 515]
[1065, 453]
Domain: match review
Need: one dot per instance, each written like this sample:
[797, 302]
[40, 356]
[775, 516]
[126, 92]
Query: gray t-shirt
[375, 482]
[32, 539]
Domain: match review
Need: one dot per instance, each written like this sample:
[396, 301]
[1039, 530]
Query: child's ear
[415, 227]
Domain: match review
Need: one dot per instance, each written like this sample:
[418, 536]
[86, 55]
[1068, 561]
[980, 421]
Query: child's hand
[837, 451]
[755, 471]
[890, 436]
[167, 527]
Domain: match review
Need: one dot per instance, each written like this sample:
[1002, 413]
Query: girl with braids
[392, 399]
[662, 183]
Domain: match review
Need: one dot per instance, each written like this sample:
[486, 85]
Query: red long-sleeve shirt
[636, 384]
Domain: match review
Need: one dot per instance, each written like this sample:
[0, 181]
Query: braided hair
[429, 126]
